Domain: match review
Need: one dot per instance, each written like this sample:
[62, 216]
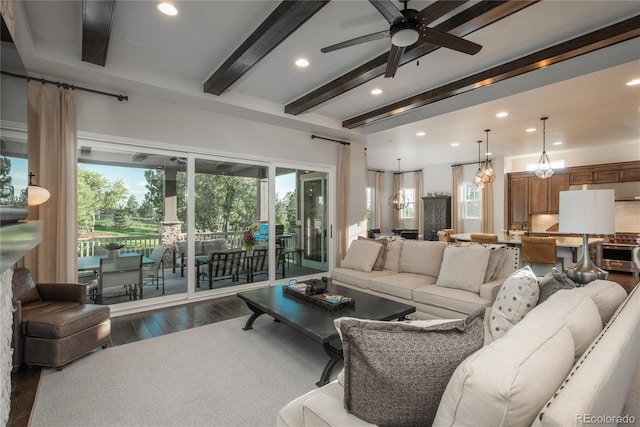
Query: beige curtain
[487, 208]
[52, 139]
[379, 199]
[342, 230]
[417, 185]
[456, 220]
[397, 188]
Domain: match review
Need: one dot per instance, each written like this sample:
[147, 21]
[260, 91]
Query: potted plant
[113, 248]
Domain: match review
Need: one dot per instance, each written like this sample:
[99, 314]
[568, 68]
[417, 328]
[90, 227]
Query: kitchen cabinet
[578, 178]
[518, 195]
[605, 177]
[437, 215]
[630, 175]
[544, 194]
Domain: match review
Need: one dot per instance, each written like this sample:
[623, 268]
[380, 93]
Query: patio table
[93, 262]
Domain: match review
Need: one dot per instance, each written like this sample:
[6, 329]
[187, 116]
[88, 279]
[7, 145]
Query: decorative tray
[328, 300]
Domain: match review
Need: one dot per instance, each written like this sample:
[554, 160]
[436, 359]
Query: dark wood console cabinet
[437, 215]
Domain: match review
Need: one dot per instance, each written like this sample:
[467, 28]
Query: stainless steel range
[617, 253]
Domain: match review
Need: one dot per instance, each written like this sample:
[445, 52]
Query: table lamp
[587, 212]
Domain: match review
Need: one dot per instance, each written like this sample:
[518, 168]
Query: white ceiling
[150, 54]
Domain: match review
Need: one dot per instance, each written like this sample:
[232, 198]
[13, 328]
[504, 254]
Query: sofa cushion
[361, 255]
[23, 287]
[395, 373]
[360, 279]
[507, 382]
[421, 257]
[55, 319]
[452, 299]
[552, 282]
[497, 257]
[607, 296]
[214, 245]
[576, 311]
[379, 264]
[517, 296]
[400, 284]
[464, 267]
[392, 258]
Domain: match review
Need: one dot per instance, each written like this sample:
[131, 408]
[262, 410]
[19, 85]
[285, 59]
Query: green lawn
[135, 228]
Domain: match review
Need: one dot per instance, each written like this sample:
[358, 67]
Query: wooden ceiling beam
[464, 23]
[282, 22]
[97, 17]
[599, 39]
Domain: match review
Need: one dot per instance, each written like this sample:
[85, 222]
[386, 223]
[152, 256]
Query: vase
[112, 253]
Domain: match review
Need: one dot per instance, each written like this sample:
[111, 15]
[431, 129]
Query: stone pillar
[6, 352]
[170, 232]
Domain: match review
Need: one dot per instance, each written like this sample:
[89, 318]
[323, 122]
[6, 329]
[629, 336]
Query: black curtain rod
[467, 163]
[373, 170]
[400, 173]
[331, 139]
[67, 86]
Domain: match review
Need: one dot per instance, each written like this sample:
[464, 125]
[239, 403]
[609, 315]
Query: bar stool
[540, 250]
[484, 238]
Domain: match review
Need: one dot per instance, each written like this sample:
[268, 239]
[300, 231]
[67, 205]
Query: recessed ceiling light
[633, 82]
[557, 143]
[421, 133]
[531, 130]
[168, 9]
[302, 62]
[502, 114]
[454, 144]
[376, 91]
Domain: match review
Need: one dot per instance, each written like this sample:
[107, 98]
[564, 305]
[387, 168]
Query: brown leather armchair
[52, 325]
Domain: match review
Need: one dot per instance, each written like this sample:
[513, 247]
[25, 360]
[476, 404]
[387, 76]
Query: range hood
[624, 191]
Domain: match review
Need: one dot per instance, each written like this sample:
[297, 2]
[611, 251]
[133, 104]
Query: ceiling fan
[408, 27]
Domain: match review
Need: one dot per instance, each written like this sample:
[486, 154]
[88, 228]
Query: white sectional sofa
[569, 361]
[440, 280]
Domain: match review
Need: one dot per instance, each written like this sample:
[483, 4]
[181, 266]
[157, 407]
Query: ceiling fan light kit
[408, 27]
[544, 169]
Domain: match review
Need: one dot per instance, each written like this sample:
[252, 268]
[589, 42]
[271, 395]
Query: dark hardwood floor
[140, 326]
[127, 329]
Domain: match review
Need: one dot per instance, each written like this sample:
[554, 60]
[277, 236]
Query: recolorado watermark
[605, 419]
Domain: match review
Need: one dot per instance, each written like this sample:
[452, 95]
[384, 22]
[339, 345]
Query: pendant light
[477, 180]
[398, 201]
[488, 174]
[544, 169]
[36, 195]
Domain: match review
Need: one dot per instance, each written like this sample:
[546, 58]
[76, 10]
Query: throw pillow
[396, 373]
[392, 259]
[496, 261]
[379, 264]
[552, 282]
[361, 255]
[464, 267]
[421, 257]
[23, 286]
[516, 297]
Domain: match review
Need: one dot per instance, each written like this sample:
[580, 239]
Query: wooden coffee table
[317, 322]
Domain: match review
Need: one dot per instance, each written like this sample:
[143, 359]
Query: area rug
[213, 375]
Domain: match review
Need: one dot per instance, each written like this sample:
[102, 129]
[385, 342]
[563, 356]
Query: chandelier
[488, 174]
[398, 201]
[544, 169]
[477, 180]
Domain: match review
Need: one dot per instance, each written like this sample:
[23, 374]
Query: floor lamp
[587, 212]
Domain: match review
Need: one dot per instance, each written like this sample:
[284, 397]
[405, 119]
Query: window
[471, 202]
[409, 211]
[370, 207]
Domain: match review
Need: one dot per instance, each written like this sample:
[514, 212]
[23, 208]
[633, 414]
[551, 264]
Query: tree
[120, 219]
[97, 194]
[132, 206]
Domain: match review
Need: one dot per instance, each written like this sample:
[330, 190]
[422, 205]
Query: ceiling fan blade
[437, 10]
[357, 40]
[388, 10]
[393, 61]
[441, 38]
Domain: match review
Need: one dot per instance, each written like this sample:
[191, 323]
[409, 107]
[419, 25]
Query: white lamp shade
[37, 195]
[587, 212]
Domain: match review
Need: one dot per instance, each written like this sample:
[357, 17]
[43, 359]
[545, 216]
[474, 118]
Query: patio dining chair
[155, 271]
[120, 271]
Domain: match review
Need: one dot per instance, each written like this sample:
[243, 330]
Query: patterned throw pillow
[517, 296]
[379, 264]
[395, 373]
[552, 282]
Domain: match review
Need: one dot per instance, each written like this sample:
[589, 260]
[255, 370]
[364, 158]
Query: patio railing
[144, 244]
